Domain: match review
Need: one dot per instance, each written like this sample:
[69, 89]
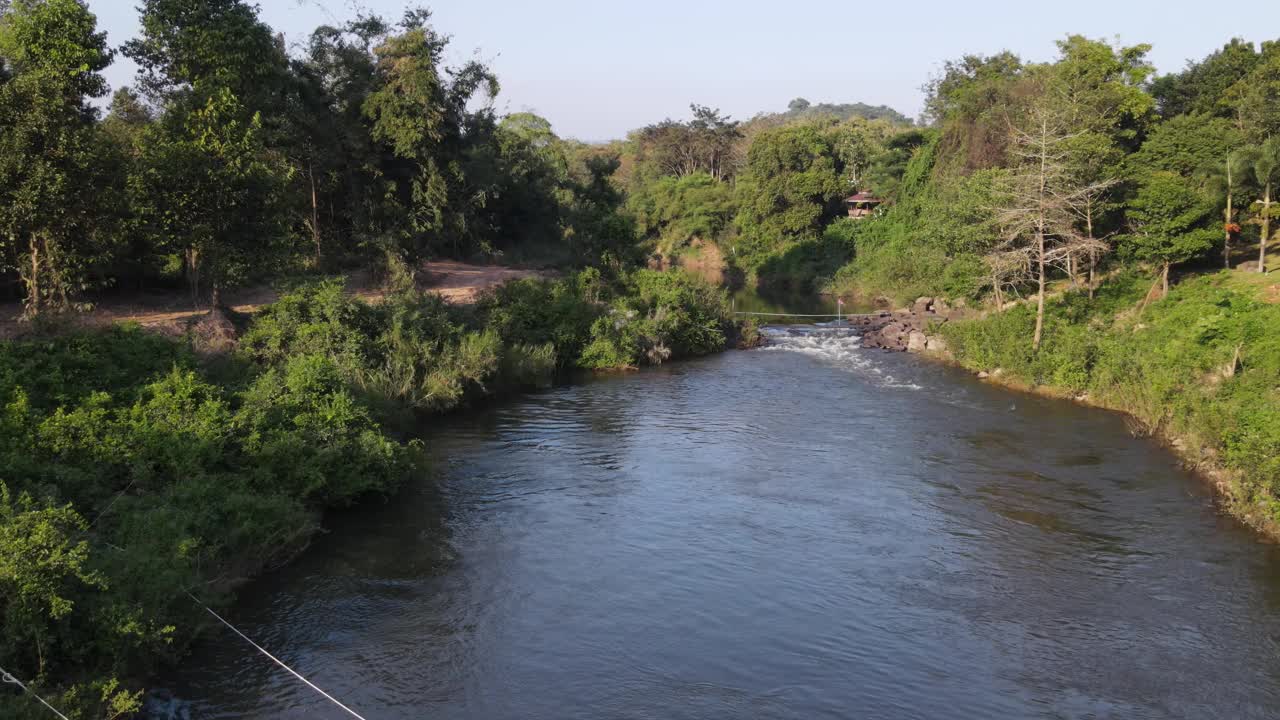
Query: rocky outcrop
[907, 329]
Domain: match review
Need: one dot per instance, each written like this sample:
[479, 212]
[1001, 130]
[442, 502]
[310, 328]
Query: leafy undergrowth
[1201, 365]
[135, 471]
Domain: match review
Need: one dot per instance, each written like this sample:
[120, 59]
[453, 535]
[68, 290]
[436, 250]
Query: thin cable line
[274, 659]
[11, 680]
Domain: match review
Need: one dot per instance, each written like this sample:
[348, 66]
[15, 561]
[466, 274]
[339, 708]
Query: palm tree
[1224, 181]
[1263, 163]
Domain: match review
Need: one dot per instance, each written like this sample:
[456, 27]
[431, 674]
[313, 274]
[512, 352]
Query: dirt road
[170, 312]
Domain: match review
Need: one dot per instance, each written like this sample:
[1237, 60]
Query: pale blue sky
[597, 68]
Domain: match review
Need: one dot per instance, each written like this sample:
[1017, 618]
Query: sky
[598, 68]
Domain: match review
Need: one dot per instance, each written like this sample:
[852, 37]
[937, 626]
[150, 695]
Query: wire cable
[9, 679]
[274, 659]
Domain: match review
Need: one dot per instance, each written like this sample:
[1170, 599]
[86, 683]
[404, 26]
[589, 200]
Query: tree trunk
[1035, 342]
[1266, 229]
[1093, 254]
[33, 279]
[1164, 281]
[1226, 226]
[315, 213]
[215, 296]
[192, 257]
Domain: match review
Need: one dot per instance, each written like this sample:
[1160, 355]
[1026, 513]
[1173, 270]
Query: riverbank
[139, 469]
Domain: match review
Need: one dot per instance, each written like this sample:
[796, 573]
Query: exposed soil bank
[172, 312]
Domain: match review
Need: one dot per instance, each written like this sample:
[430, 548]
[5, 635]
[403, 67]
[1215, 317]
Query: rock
[922, 305]
[941, 307]
[983, 375]
[917, 341]
[936, 344]
[997, 372]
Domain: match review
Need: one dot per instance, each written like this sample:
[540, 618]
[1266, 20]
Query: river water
[805, 531]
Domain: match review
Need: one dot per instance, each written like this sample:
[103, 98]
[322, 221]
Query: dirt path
[171, 312]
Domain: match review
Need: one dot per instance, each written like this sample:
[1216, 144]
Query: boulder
[922, 305]
[936, 344]
[983, 375]
[941, 307]
[917, 341]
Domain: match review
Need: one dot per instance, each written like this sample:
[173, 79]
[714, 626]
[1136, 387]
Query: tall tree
[1256, 98]
[338, 161]
[1224, 179]
[419, 111]
[1039, 217]
[789, 189]
[1263, 164]
[54, 173]
[1168, 219]
[1201, 87]
[702, 145]
[204, 46]
[213, 192]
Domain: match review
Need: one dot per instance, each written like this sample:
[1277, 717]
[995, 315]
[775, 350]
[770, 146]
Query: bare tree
[1041, 215]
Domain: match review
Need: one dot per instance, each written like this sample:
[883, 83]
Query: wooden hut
[862, 204]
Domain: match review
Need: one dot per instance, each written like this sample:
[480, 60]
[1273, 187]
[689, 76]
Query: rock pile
[908, 329]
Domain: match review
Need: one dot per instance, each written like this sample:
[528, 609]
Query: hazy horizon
[598, 71]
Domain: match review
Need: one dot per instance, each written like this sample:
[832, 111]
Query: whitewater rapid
[835, 346]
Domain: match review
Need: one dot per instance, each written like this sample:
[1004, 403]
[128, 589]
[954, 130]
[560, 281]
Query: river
[810, 530]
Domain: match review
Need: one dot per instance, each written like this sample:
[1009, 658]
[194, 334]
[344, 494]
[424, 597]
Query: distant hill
[801, 109]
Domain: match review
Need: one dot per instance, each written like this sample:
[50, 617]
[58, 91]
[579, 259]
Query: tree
[203, 46]
[419, 113]
[127, 118]
[798, 105]
[789, 190]
[1186, 144]
[1223, 179]
[1039, 216]
[1263, 164]
[702, 145]
[43, 567]
[338, 162]
[857, 143]
[212, 191]
[56, 178]
[1167, 219]
[1256, 98]
[1201, 87]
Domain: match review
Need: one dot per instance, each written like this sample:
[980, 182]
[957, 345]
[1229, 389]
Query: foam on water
[833, 345]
